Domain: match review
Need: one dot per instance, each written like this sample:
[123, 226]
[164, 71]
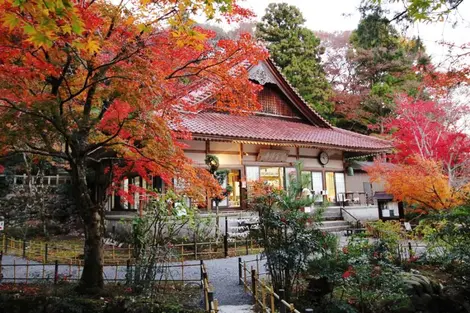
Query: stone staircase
[333, 222]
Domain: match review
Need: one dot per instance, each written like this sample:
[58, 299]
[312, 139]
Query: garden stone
[415, 286]
[319, 287]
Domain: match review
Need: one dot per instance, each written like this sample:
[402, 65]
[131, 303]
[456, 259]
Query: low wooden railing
[263, 294]
[48, 252]
[211, 305]
[25, 271]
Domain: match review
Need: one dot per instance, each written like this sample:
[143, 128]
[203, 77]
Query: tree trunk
[92, 215]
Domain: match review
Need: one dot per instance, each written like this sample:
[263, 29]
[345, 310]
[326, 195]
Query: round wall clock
[323, 158]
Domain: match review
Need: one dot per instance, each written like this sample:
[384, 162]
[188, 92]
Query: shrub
[447, 237]
[362, 276]
[21, 298]
[290, 237]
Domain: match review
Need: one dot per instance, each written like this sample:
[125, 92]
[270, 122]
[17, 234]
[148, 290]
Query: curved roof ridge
[359, 135]
[296, 92]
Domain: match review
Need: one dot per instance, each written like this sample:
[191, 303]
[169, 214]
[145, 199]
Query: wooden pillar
[243, 190]
[208, 200]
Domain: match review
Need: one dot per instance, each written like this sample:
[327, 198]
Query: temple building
[266, 145]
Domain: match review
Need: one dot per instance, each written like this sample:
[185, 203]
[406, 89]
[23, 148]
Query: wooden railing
[25, 271]
[48, 252]
[263, 294]
[211, 305]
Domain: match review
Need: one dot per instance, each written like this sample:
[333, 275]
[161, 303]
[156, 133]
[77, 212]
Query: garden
[96, 96]
[384, 269]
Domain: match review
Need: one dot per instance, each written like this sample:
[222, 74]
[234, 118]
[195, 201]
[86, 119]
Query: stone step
[335, 229]
[334, 223]
[329, 216]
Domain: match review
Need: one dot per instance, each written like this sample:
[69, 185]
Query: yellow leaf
[66, 29]
[92, 46]
[129, 21]
[10, 20]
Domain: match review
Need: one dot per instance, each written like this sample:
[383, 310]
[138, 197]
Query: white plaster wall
[228, 159]
[198, 158]
[251, 148]
[195, 144]
[224, 146]
[355, 183]
[249, 158]
[309, 151]
[370, 213]
[334, 164]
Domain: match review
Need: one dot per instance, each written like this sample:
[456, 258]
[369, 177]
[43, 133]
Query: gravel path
[223, 274]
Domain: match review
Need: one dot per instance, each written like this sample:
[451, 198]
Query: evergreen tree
[384, 64]
[297, 51]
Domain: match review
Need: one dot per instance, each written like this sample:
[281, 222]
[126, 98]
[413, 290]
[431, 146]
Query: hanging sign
[268, 155]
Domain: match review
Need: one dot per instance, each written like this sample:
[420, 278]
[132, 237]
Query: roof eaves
[217, 136]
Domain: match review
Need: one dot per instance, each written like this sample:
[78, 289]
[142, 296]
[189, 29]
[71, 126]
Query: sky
[337, 15]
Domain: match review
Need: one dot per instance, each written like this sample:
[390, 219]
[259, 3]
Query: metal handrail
[341, 209]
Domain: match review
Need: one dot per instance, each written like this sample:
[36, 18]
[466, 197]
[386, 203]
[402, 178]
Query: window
[234, 182]
[252, 173]
[317, 186]
[330, 186]
[291, 176]
[223, 203]
[340, 187]
[272, 175]
[233, 200]
[307, 180]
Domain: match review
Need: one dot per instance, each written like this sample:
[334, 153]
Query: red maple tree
[100, 88]
[435, 130]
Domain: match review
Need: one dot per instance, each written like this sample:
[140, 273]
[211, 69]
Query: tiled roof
[271, 129]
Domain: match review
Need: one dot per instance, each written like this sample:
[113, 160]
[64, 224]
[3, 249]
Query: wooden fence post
[56, 271]
[410, 250]
[291, 308]
[226, 245]
[1, 257]
[244, 276]
[24, 248]
[128, 272]
[282, 296]
[253, 285]
[246, 245]
[46, 252]
[240, 274]
[210, 297]
[195, 247]
[263, 299]
[27, 271]
[273, 307]
[202, 277]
